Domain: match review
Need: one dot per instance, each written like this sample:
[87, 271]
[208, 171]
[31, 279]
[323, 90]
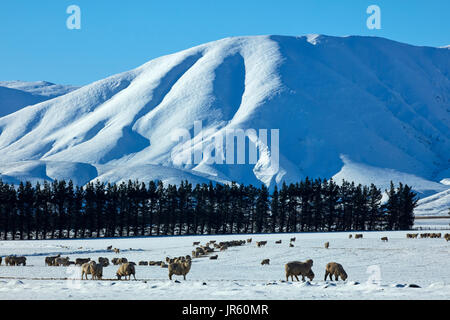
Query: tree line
[60, 210]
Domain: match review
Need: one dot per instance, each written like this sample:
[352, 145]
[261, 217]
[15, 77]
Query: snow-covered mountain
[14, 95]
[360, 108]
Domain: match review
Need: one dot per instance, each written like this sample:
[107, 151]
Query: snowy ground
[376, 269]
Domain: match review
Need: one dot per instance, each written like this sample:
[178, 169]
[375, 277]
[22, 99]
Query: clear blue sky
[119, 35]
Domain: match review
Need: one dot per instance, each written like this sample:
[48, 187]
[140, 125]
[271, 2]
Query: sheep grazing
[265, 261]
[103, 261]
[179, 269]
[86, 269]
[296, 268]
[50, 261]
[126, 269]
[327, 245]
[335, 269]
[384, 239]
[278, 242]
[293, 239]
[62, 262]
[249, 240]
[196, 243]
[214, 257]
[291, 245]
[261, 243]
[358, 236]
[16, 261]
[96, 271]
[412, 235]
[81, 261]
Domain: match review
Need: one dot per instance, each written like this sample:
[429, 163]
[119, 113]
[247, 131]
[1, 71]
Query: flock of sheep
[181, 266]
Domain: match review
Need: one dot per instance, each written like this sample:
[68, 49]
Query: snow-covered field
[376, 269]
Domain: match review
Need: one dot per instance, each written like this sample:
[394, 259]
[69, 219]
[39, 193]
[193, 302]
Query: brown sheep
[103, 261]
[350, 236]
[295, 268]
[96, 270]
[61, 262]
[249, 240]
[125, 270]
[8, 260]
[86, 269]
[384, 239]
[50, 261]
[15, 261]
[179, 269]
[81, 261]
[447, 237]
[358, 236]
[265, 261]
[335, 269]
[116, 250]
[327, 245]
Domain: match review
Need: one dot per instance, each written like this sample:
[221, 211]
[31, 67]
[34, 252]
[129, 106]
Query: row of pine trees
[60, 210]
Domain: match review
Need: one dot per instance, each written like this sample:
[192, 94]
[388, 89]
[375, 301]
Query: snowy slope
[383, 105]
[14, 95]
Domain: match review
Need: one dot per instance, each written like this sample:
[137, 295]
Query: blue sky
[117, 36]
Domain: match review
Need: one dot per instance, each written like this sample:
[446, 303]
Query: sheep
[327, 245]
[278, 242]
[265, 261]
[103, 261]
[212, 241]
[196, 243]
[261, 243]
[126, 269]
[350, 236]
[0, 260]
[61, 261]
[8, 260]
[295, 268]
[335, 269]
[384, 239]
[96, 271]
[116, 250]
[447, 236]
[117, 261]
[179, 269]
[249, 240]
[164, 265]
[214, 257]
[109, 248]
[50, 261]
[143, 263]
[15, 261]
[291, 245]
[358, 236]
[81, 261]
[86, 269]
[293, 239]
[223, 248]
